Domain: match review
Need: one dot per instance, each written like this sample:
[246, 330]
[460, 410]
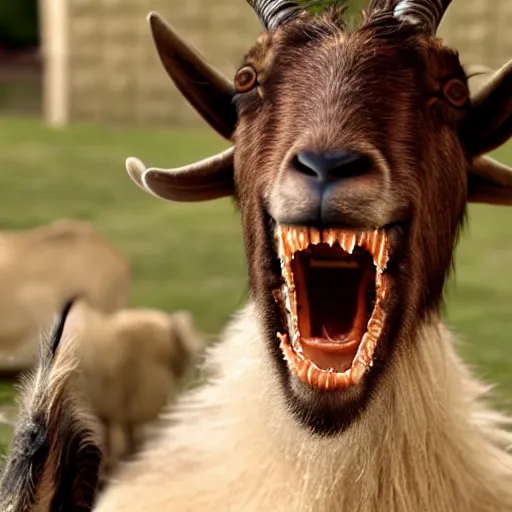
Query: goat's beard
[332, 303]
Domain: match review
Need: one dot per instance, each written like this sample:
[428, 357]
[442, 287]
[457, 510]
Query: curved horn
[211, 178]
[207, 90]
[490, 122]
[490, 181]
[426, 13]
[273, 13]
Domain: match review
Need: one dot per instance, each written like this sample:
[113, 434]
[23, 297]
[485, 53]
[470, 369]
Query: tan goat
[337, 388]
[44, 267]
[133, 362]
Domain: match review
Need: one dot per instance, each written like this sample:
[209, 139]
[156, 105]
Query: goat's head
[356, 154]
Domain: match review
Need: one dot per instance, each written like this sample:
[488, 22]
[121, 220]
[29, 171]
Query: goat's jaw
[337, 357]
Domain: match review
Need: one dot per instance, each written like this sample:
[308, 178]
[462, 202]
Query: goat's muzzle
[332, 189]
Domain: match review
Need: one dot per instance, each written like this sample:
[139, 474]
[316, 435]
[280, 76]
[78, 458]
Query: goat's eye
[246, 79]
[456, 92]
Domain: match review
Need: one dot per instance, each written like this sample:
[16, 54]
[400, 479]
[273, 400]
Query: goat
[133, 362]
[337, 387]
[88, 266]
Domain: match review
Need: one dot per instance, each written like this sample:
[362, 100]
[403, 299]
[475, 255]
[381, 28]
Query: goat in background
[337, 388]
[133, 362]
[88, 265]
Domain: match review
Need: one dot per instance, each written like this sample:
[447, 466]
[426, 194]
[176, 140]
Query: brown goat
[338, 387]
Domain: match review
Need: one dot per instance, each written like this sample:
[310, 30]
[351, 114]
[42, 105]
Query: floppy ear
[490, 119]
[489, 182]
[207, 90]
[211, 178]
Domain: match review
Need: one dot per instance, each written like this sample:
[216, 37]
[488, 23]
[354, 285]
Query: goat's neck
[425, 442]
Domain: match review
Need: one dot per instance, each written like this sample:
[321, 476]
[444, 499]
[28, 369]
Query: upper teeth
[292, 240]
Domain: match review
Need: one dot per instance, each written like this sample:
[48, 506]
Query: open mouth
[332, 302]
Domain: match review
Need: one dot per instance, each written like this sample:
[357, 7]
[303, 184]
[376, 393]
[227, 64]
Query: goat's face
[351, 180]
[351, 173]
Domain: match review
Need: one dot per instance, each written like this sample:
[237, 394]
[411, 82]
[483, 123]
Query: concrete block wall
[115, 75]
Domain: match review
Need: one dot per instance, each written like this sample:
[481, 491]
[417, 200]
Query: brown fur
[133, 363]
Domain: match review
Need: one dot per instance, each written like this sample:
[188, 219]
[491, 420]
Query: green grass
[190, 255]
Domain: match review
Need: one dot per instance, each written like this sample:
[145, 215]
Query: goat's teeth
[379, 254]
[329, 236]
[341, 379]
[282, 248]
[379, 281]
[310, 373]
[294, 245]
[304, 239]
[383, 252]
[382, 293]
[357, 372]
[301, 242]
[314, 236]
[375, 241]
[352, 243]
[347, 241]
[375, 326]
[342, 240]
[323, 379]
[302, 370]
[289, 239]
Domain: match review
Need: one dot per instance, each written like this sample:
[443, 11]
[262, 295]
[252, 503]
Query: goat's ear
[489, 182]
[211, 178]
[207, 90]
[490, 119]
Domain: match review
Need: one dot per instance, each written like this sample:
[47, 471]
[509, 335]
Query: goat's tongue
[342, 333]
[328, 355]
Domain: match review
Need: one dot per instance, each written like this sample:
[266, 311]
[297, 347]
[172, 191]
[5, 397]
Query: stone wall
[481, 30]
[115, 74]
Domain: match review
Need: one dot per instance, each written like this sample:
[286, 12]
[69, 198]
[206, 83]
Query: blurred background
[81, 89]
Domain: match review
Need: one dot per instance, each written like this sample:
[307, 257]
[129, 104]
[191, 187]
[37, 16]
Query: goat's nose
[331, 166]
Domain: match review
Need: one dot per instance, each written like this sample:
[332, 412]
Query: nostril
[332, 165]
[357, 166]
[301, 166]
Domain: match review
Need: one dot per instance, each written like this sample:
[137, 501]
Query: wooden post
[54, 20]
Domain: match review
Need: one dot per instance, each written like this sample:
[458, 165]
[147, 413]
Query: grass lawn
[190, 255]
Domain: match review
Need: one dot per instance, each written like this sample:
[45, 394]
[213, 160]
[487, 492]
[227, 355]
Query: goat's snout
[330, 166]
[326, 188]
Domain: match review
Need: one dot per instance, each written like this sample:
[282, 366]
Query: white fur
[425, 444]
